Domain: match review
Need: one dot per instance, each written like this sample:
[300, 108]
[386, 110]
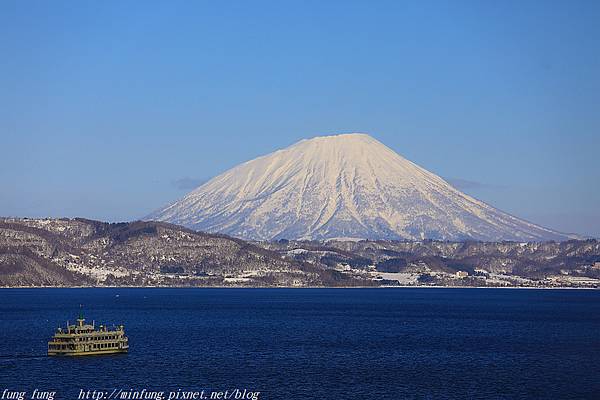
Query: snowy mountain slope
[343, 186]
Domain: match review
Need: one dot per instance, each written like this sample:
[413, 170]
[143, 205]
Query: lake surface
[314, 343]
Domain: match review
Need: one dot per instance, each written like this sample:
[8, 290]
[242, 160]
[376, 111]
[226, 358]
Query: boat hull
[86, 353]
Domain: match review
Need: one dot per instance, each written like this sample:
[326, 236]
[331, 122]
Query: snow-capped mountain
[343, 186]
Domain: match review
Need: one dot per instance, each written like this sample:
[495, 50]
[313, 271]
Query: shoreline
[302, 287]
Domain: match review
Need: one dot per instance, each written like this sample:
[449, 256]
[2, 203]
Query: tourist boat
[84, 339]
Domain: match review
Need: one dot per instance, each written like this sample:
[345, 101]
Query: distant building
[596, 265]
[462, 274]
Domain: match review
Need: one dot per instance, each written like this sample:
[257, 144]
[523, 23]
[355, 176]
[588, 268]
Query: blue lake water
[314, 343]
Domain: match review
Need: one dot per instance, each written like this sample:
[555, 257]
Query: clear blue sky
[110, 109]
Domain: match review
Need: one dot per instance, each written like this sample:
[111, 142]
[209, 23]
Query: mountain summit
[342, 186]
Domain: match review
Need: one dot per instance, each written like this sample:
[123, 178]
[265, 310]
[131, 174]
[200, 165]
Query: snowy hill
[343, 186]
